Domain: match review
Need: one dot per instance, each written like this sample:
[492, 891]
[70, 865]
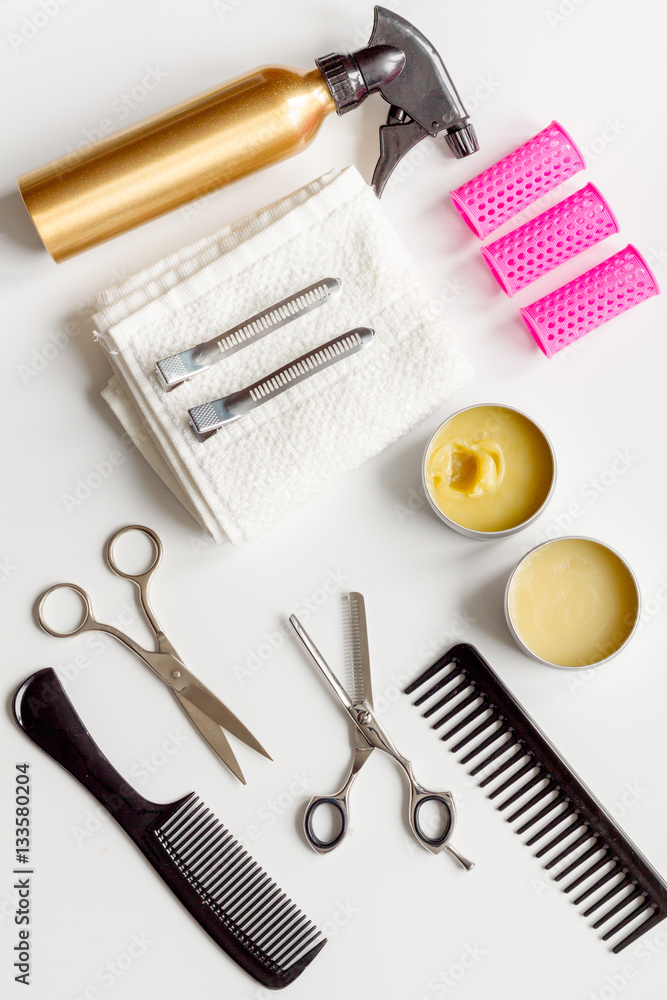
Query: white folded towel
[257, 470]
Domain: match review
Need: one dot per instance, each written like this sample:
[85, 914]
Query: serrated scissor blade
[358, 649]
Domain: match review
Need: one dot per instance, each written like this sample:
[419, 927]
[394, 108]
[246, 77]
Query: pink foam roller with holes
[519, 179]
[577, 222]
[609, 288]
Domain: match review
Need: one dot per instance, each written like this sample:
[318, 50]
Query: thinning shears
[370, 735]
[207, 713]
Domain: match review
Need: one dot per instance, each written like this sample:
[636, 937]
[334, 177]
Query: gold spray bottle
[246, 124]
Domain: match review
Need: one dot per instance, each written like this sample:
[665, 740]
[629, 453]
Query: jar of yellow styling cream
[489, 471]
[572, 602]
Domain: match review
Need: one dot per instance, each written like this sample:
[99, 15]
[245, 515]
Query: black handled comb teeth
[578, 828]
[210, 873]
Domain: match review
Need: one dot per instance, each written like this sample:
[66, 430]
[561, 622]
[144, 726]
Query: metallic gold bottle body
[174, 157]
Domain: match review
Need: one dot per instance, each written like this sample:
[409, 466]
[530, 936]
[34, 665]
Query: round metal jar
[514, 631]
[472, 532]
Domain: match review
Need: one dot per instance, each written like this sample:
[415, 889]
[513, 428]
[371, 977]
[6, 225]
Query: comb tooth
[515, 776]
[622, 884]
[192, 819]
[461, 686]
[595, 867]
[247, 887]
[270, 919]
[551, 825]
[446, 679]
[258, 914]
[298, 946]
[199, 839]
[288, 948]
[558, 798]
[183, 836]
[249, 919]
[253, 915]
[291, 941]
[569, 829]
[235, 879]
[582, 839]
[212, 847]
[426, 675]
[484, 724]
[224, 869]
[220, 848]
[518, 754]
[224, 878]
[506, 745]
[657, 915]
[281, 931]
[494, 735]
[595, 848]
[613, 871]
[276, 925]
[628, 898]
[632, 915]
[256, 889]
[460, 726]
[182, 813]
[456, 710]
[527, 785]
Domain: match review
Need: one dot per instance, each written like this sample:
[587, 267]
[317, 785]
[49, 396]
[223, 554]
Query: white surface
[399, 920]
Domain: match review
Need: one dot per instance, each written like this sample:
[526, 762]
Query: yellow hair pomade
[488, 470]
[572, 602]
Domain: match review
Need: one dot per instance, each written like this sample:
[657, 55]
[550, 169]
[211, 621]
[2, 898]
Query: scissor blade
[319, 661]
[206, 701]
[213, 735]
[361, 661]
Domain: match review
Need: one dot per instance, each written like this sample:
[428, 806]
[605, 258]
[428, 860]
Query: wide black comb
[212, 875]
[579, 828]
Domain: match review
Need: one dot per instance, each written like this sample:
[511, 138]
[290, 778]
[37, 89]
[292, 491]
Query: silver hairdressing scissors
[206, 711]
[370, 735]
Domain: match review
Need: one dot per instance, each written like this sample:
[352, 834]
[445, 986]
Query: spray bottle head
[403, 66]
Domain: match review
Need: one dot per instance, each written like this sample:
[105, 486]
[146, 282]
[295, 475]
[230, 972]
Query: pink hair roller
[519, 179]
[573, 225]
[609, 288]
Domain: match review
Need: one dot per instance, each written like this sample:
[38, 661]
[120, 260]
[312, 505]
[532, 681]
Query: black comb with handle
[212, 875]
[543, 789]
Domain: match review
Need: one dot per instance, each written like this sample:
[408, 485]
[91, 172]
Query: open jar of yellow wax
[489, 471]
[572, 602]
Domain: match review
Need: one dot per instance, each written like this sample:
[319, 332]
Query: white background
[398, 919]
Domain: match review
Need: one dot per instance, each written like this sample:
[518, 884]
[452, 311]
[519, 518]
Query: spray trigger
[402, 66]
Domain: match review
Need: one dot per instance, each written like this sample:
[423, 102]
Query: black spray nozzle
[403, 66]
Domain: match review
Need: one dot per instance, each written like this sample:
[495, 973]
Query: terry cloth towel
[238, 483]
